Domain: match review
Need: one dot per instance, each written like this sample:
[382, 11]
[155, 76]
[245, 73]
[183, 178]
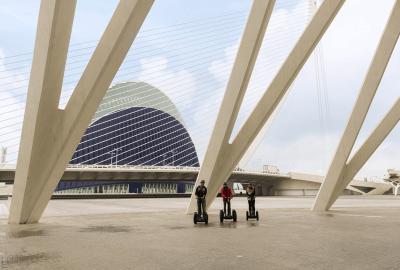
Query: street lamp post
[112, 151]
[116, 156]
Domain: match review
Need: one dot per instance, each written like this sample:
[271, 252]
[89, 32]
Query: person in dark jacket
[251, 198]
[226, 193]
[201, 192]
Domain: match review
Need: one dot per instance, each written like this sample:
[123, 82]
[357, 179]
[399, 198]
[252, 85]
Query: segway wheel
[257, 215]
[234, 216]
[247, 215]
[206, 219]
[195, 218]
[221, 216]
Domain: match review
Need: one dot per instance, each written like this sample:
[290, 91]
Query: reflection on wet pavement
[108, 229]
[26, 261]
[23, 233]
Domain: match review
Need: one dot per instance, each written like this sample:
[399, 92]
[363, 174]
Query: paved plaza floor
[360, 232]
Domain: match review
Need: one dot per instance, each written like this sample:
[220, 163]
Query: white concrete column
[221, 157]
[381, 131]
[50, 135]
[284, 78]
[395, 187]
[41, 111]
[246, 57]
[336, 179]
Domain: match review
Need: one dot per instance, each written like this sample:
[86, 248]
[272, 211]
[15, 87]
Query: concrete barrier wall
[296, 184]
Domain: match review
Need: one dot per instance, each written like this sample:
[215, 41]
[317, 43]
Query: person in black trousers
[201, 192]
[251, 198]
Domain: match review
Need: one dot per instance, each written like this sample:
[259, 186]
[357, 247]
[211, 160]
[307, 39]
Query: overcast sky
[193, 61]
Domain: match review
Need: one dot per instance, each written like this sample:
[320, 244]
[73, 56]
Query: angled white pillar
[378, 135]
[50, 54]
[338, 174]
[50, 135]
[261, 135]
[246, 57]
[222, 157]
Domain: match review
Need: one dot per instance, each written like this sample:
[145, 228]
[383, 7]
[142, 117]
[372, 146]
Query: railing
[130, 167]
[260, 171]
[7, 166]
[146, 167]
[149, 167]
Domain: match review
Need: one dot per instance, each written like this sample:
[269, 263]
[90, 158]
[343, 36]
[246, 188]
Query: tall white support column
[339, 172]
[378, 135]
[222, 157]
[354, 165]
[50, 54]
[50, 135]
[246, 57]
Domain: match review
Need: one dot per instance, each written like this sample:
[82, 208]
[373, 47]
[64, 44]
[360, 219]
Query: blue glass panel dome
[143, 136]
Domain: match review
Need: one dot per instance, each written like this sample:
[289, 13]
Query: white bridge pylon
[221, 156]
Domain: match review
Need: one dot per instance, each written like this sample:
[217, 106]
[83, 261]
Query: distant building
[135, 124]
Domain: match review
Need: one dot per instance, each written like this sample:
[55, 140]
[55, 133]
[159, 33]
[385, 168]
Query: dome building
[135, 124]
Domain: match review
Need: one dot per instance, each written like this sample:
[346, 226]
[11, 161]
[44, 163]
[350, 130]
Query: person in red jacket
[226, 193]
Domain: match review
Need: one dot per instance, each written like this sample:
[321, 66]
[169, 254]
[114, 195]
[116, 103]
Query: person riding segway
[251, 198]
[201, 192]
[227, 195]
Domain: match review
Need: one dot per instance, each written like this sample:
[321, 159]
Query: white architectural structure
[394, 180]
[50, 135]
[221, 156]
[342, 169]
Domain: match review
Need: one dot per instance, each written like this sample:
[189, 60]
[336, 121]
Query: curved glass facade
[135, 124]
[142, 136]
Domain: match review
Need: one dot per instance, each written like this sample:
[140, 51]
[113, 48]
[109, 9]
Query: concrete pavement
[156, 234]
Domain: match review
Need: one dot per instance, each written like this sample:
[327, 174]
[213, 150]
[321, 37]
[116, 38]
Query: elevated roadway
[267, 183]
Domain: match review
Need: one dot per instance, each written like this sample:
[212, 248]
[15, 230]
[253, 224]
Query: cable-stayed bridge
[116, 100]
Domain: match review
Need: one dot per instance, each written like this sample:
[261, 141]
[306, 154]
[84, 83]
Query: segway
[252, 215]
[229, 216]
[196, 218]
